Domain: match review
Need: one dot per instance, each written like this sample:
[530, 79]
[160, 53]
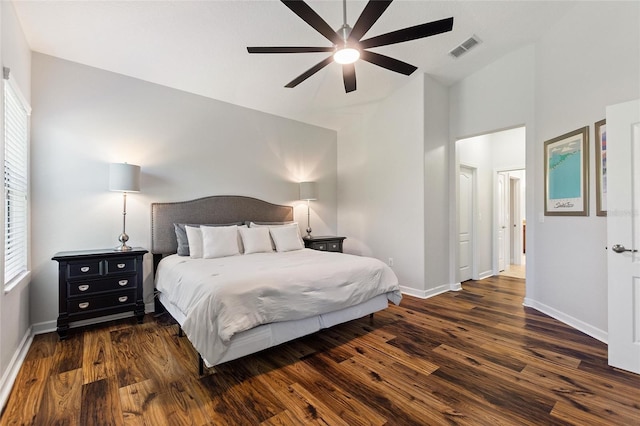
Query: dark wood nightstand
[326, 243]
[95, 283]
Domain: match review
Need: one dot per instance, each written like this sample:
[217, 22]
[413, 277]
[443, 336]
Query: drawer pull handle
[83, 287]
[123, 282]
[83, 305]
[84, 269]
[123, 299]
[121, 265]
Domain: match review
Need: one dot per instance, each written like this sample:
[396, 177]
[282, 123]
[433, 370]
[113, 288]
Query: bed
[274, 297]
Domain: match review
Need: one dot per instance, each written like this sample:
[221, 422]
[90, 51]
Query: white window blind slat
[16, 142]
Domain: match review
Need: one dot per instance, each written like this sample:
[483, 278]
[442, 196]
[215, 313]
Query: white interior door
[502, 222]
[465, 224]
[623, 234]
[516, 222]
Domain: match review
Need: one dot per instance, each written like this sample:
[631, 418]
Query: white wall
[563, 82]
[436, 189]
[588, 61]
[393, 185]
[188, 146]
[381, 173]
[14, 306]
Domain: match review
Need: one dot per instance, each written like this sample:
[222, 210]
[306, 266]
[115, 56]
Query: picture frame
[566, 174]
[600, 133]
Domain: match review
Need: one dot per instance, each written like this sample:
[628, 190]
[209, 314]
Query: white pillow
[219, 241]
[286, 238]
[291, 224]
[256, 240]
[240, 245]
[194, 237]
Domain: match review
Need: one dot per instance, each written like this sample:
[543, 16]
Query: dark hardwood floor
[475, 357]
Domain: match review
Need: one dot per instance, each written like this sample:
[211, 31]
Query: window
[16, 181]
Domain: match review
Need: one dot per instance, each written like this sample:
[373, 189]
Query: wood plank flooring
[475, 357]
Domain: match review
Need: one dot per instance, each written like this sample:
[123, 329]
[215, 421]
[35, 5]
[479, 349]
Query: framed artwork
[566, 174]
[600, 128]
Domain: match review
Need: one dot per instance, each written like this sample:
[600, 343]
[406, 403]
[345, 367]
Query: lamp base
[123, 238]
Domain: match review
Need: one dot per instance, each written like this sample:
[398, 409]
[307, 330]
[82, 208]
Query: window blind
[16, 174]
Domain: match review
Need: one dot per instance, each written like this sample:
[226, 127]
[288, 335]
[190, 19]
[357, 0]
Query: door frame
[515, 188]
[454, 174]
[499, 202]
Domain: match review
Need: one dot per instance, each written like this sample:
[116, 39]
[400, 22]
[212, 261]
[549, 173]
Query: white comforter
[224, 296]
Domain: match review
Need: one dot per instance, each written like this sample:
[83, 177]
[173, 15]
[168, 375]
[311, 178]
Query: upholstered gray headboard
[217, 209]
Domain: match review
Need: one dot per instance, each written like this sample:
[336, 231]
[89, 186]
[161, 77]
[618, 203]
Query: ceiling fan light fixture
[346, 55]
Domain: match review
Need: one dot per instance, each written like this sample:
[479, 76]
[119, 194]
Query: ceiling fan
[348, 45]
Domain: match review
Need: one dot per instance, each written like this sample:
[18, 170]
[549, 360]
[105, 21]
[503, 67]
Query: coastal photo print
[566, 168]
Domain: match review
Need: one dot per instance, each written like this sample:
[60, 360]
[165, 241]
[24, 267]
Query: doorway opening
[491, 219]
[512, 224]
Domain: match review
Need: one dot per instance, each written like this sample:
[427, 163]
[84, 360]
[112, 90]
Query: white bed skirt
[269, 335]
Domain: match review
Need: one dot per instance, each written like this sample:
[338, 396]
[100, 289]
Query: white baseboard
[485, 274]
[43, 327]
[425, 294]
[456, 287]
[582, 326]
[10, 374]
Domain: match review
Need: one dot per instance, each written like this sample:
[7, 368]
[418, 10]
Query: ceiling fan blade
[349, 77]
[387, 62]
[372, 11]
[410, 33]
[309, 16]
[290, 49]
[308, 73]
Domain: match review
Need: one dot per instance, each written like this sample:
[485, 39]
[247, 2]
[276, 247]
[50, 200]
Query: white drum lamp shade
[308, 191]
[124, 178]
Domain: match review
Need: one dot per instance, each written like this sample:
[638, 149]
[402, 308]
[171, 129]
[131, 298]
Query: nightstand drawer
[97, 286]
[117, 266]
[83, 269]
[318, 246]
[115, 300]
[337, 247]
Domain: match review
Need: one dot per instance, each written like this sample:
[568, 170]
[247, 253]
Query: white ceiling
[200, 46]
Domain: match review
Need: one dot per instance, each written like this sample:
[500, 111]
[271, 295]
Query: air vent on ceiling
[465, 46]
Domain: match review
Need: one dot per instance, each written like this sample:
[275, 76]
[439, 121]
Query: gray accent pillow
[181, 234]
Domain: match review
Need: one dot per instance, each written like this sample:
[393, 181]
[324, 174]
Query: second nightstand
[326, 243]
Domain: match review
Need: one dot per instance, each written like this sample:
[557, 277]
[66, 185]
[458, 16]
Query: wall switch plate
[391, 261]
